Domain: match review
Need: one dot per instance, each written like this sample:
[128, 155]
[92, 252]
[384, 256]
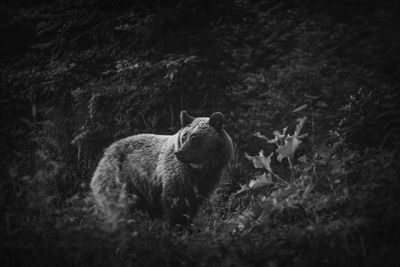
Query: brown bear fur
[166, 175]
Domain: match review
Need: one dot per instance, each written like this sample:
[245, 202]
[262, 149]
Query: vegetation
[310, 94]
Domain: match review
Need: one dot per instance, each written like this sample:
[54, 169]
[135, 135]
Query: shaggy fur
[166, 175]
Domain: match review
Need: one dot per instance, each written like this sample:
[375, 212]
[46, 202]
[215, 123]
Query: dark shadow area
[78, 75]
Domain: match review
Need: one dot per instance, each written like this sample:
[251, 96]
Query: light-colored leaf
[287, 150]
[243, 188]
[274, 141]
[260, 161]
[260, 181]
[303, 135]
[280, 135]
[259, 135]
[291, 142]
[299, 125]
[300, 108]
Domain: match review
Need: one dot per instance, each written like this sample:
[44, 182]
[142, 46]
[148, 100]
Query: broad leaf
[260, 181]
[288, 149]
[260, 161]
[292, 142]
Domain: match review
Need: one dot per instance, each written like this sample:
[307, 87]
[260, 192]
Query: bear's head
[203, 142]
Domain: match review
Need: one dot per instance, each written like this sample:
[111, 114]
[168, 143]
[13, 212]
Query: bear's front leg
[180, 204]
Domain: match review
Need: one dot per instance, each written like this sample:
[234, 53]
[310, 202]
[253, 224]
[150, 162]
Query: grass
[94, 74]
[341, 209]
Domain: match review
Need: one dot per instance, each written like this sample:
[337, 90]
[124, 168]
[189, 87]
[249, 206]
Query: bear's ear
[186, 119]
[216, 120]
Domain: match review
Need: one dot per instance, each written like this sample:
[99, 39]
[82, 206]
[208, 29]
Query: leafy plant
[317, 182]
[371, 119]
[286, 144]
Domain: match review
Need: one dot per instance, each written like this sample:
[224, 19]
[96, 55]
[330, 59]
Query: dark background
[78, 75]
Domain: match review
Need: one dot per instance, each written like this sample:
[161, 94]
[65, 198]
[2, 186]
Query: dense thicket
[77, 75]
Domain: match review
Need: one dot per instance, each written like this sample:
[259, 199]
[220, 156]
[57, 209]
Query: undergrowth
[335, 206]
[309, 93]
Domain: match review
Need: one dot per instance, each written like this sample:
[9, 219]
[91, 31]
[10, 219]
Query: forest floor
[78, 75]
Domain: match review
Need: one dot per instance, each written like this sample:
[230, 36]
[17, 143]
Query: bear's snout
[178, 154]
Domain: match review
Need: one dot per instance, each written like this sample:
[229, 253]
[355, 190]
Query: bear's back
[138, 154]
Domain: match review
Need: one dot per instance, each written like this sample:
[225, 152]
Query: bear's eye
[184, 136]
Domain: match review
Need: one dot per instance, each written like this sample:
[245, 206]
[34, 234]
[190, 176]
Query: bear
[167, 176]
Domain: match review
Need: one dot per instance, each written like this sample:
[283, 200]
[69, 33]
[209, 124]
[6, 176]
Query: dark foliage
[78, 75]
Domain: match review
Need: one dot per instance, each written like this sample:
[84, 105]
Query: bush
[371, 119]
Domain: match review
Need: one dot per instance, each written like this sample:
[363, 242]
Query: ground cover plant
[309, 90]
